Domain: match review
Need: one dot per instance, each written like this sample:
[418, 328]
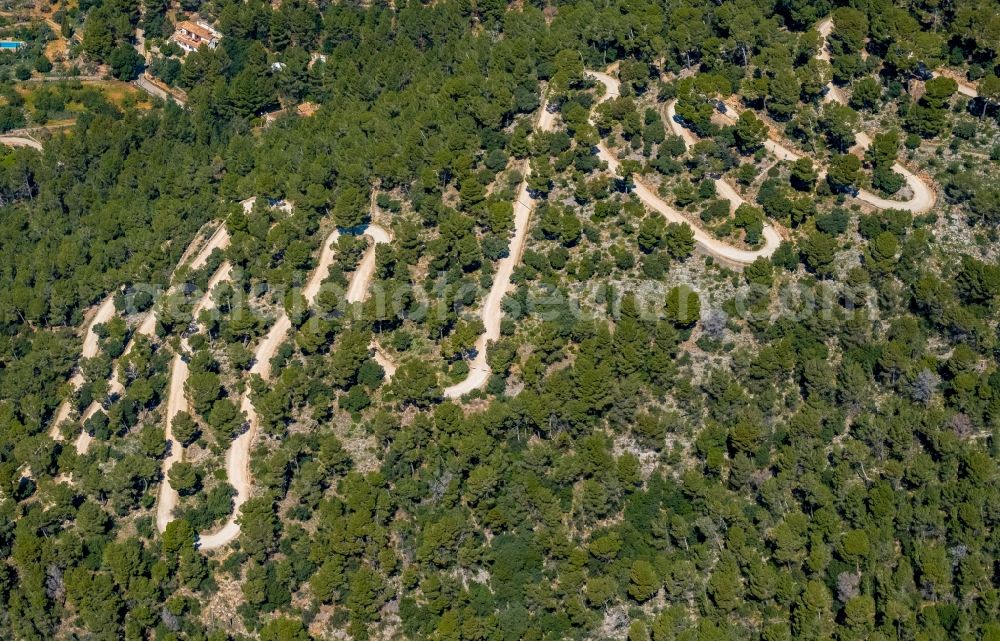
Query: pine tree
[683, 306]
[643, 582]
[540, 178]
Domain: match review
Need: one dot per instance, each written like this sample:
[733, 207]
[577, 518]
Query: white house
[190, 36]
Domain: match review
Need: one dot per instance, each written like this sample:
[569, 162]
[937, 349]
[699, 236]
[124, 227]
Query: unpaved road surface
[722, 187]
[177, 402]
[147, 327]
[924, 196]
[479, 370]
[825, 27]
[705, 242]
[380, 356]
[103, 314]
[238, 455]
[362, 277]
[20, 141]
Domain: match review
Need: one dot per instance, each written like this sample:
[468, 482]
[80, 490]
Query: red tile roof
[197, 30]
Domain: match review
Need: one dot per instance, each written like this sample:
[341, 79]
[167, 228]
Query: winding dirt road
[479, 369]
[238, 455]
[147, 327]
[923, 197]
[103, 314]
[177, 402]
[358, 289]
[705, 242]
[362, 278]
[722, 187]
[20, 141]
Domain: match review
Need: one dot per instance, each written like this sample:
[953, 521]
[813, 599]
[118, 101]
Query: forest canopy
[665, 444]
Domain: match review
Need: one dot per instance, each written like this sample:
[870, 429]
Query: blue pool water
[11, 44]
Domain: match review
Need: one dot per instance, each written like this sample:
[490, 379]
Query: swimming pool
[11, 44]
